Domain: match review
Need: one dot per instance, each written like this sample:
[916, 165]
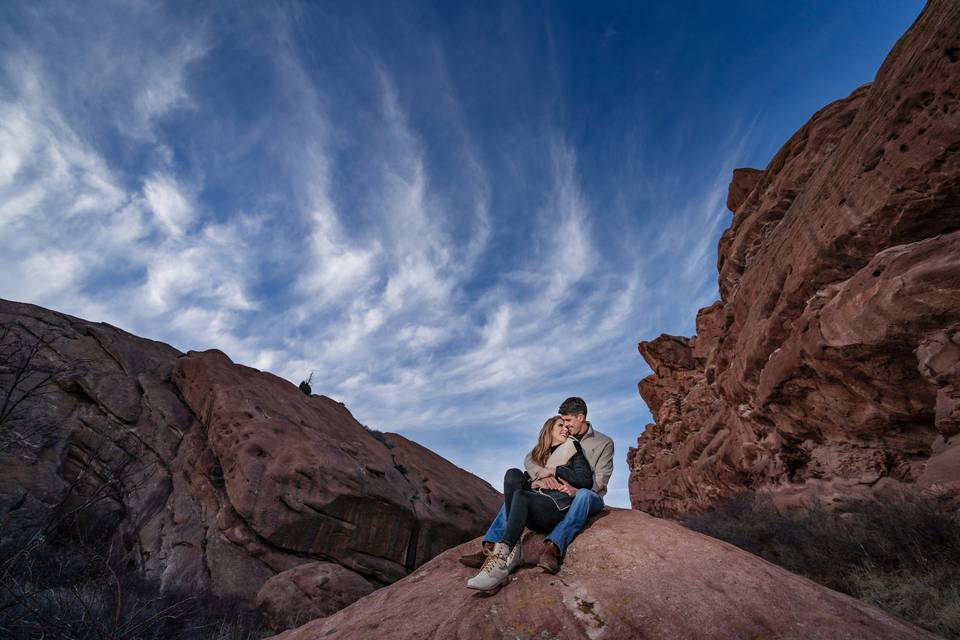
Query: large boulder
[627, 575]
[310, 591]
[208, 475]
[829, 367]
[308, 479]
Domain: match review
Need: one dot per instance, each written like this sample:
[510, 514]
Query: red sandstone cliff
[830, 365]
[215, 477]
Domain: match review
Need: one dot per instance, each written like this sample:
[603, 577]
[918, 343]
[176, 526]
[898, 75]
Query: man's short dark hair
[573, 406]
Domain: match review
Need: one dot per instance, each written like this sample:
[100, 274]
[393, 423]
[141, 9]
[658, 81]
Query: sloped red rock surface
[830, 363]
[448, 505]
[628, 575]
[213, 476]
[307, 592]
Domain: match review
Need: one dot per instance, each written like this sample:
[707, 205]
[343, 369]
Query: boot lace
[494, 561]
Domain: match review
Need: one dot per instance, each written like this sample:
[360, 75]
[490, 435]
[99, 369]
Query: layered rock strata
[829, 366]
[213, 476]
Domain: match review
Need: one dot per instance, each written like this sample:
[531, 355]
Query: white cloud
[56, 195]
[421, 270]
[16, 142]
[210, 265]
[337, 267]
[570, 252]
[168, 203]
[421, 337]
[162, 87]
[52, 272]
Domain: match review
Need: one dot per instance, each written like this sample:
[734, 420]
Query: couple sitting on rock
[566, 476]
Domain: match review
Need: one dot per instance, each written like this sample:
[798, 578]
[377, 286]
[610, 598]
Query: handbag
[572, 466]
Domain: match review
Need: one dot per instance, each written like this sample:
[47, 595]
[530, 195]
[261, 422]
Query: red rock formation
[743, 183]
[214, 476]
[308, 479]
[829, 365]
[310, 591]
[628, 575]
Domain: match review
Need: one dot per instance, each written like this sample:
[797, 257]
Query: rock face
[310, 591]
[628, 575]
[307, 479]
[829, 366]
[212, 475]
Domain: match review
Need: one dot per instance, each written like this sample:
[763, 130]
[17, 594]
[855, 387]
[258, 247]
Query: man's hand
[567, 488]
[547, 482]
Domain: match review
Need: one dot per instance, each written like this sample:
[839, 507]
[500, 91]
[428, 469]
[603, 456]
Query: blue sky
[455, 214]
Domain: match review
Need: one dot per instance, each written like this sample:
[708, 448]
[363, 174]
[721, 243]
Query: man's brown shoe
[549, 557]
[476, 560]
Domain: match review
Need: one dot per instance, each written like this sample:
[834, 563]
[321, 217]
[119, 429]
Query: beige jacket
[598, 449]
[562, 454]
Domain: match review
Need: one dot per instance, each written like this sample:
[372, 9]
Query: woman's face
[558, 432]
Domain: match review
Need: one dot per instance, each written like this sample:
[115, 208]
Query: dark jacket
[576, 472]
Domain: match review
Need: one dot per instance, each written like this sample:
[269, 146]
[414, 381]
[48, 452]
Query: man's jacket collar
[588, 433]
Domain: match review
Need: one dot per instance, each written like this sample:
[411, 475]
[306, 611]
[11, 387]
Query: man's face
[576, 423]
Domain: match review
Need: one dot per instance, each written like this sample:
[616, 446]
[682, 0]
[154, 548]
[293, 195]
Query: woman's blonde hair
[541, 452]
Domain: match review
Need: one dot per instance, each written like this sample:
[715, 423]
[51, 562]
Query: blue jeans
[585, 504]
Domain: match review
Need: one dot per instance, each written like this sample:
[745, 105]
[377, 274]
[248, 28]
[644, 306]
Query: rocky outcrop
[212, 476]
[302, 477]
[628, 575]
[307, 592]
[744, 182]
[829, 366]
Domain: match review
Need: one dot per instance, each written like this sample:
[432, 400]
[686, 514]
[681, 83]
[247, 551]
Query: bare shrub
[901, 554]
[30, 369]
[80, 589]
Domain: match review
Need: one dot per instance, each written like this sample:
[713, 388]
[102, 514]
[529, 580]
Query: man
[598, 449]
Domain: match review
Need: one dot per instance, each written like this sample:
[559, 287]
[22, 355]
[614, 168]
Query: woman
[538, 509]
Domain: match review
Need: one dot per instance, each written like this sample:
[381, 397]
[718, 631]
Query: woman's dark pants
[526, 508]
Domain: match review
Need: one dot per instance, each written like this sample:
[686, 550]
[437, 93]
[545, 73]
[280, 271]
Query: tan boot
[476, 560]
[550, 557]
[497, 567]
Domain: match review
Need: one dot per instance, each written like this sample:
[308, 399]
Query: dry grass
[902, 555]
[62, 588]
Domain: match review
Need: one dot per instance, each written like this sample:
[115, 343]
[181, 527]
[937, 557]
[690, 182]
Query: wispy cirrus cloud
[169, 205]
